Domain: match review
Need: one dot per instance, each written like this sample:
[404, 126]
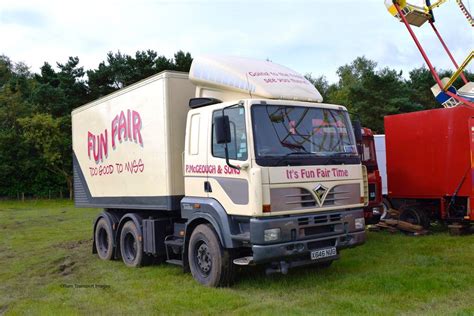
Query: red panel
[471, 200]
[429, 152]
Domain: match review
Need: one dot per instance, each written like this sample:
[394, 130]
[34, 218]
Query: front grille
[324, 224]
[321, 244]
[343, 194]
[335, 217]
[287, 199]
[303, 221]
[319, 219]
[315, 230]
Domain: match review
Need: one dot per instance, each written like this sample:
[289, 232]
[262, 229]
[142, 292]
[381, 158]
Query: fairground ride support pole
[447, 51]
[422, 51]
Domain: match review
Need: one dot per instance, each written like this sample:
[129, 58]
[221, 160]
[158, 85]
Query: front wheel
[210, 264]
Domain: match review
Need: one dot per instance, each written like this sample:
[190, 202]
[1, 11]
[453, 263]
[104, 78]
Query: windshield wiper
[290, 154]
[293, 146]
[331, 157]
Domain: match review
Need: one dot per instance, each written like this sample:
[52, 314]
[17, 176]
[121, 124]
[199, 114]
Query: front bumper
[299, 235]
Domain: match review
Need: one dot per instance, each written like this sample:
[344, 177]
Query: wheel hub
[203, 257]
[130, 247]
[103, 241]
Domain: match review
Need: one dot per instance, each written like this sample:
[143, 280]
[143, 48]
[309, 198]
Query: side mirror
[222, 129]
[357, 130]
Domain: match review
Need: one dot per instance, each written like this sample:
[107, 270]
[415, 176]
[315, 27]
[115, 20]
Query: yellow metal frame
[436, 4]
[458, 71]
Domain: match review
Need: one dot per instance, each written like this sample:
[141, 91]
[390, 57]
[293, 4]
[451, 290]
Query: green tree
[59, 92]
[20, 168]
[321, 84]
[6, 70]
[51, 138]
[379, 94]
[121, 70]
[371, 94]
[349, 75]
[182, 61]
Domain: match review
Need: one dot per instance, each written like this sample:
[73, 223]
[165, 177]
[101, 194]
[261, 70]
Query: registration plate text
[323, 253]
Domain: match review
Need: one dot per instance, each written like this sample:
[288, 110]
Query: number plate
[323, 253]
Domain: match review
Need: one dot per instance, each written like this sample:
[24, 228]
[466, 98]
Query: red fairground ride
[444, 91]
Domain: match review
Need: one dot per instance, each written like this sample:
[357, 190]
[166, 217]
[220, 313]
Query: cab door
[195, 153]
[229, 186]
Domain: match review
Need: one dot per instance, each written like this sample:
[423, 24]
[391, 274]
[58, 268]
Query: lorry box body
[128, 146]
[429, 156]
[429, 152]
[236, 163]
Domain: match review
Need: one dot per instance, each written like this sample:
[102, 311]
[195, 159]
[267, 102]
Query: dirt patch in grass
[3, 309]
[66, 267]
[7, 252]
[75, 244]
[63, 266]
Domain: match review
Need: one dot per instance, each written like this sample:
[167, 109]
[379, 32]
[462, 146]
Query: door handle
[207, 187]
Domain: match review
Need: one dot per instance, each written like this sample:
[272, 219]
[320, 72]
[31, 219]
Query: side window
[238, 146]
[194, 136]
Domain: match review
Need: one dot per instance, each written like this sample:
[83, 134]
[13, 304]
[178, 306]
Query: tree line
[35, 108]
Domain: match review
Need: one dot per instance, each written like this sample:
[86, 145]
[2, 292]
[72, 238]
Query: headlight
[376, 211]
[271, 234]
[359, 223]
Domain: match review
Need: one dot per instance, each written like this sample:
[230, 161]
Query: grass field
[46, 266]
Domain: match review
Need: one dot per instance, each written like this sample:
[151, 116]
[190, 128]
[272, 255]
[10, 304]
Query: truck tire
[103, 237]
[415, 216]
[386, 205]
[131, 246]
[210, 264]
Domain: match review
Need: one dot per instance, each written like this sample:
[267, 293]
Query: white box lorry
[236, 163]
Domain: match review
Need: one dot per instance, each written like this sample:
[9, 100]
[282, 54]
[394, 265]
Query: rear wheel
[210, 264]
[386, 206]
[104, 239]
[415, 216]
[131, 247]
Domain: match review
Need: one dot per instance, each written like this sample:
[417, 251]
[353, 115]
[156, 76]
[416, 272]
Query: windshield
[281, 131]
[368, 157]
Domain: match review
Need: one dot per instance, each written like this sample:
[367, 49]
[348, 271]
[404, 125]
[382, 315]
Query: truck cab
[374, 210]
[283, 172]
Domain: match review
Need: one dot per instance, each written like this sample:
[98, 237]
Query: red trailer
[430, 165]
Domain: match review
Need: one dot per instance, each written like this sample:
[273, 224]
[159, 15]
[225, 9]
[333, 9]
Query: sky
[313, 37]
